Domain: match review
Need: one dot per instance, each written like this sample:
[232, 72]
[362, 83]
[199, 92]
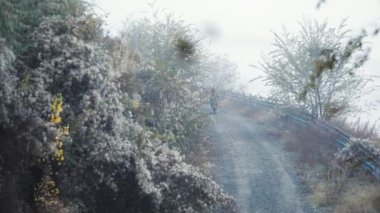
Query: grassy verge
[331, 188]
[339, 188]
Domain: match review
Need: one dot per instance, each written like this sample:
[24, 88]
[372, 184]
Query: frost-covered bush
[315, 69]
[167, 165]
[18, 18]
[111, 163]
[8, 79]
[161, 60]
[356, 152]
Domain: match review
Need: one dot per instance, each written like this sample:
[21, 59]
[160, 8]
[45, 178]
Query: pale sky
[244, 29]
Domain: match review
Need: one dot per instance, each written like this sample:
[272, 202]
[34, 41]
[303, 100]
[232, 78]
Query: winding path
[256, 171]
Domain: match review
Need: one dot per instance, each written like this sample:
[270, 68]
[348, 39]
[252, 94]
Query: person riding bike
[213, 100]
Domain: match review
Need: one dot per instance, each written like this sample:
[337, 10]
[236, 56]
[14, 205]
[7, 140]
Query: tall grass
[360, 129]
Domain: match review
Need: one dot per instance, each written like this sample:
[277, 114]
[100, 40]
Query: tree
[366, 32]
[315, 69]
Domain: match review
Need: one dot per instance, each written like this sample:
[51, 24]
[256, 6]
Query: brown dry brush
[312, 145]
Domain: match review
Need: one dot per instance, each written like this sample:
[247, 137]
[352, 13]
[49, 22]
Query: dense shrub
[165, 75]
[68, 141]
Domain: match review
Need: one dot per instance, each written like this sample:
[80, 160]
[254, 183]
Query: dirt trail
[256, 171]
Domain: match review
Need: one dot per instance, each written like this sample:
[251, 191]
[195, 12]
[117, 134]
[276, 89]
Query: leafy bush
[165, 76]
[105, 161]
[19, 18]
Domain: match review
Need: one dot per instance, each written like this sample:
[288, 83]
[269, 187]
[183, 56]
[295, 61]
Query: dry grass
[198, 154]
[315, 150]
[345, 192]
[264, 117]
[200, 159]
[326, 191]
[363, 197]
[331, 188]
[312, 146]
[270, 120]
[360, 199]
[360, 129]
[319, 195]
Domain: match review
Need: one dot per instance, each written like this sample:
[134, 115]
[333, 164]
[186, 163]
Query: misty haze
[189, 106]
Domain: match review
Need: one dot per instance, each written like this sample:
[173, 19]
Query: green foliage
[185, 48]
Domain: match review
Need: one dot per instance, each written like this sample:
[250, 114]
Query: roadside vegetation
[336, 178]
[333, 184]
[98, 123]
[316, 70]
[91, 122]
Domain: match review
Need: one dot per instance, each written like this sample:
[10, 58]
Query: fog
[242, 30]
[189, 106]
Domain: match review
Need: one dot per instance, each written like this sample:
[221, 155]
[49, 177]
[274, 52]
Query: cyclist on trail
[213, 100]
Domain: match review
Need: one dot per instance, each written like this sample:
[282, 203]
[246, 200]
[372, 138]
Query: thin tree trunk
[319, 102]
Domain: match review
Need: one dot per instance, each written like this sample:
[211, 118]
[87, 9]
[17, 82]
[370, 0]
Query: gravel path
[257, 172]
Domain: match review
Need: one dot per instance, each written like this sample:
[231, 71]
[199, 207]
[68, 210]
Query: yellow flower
[66, 130]
[58, 104]
[57, 120]
[135, 104]
[57, 108]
